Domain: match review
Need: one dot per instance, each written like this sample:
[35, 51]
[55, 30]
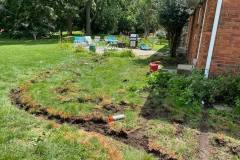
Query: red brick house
[213, 42]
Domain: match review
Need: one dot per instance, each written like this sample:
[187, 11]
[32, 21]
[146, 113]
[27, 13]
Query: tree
[89, 4]
[65, 11]
[173, 16]
[27, 18]
[128, 18]
[148, 15]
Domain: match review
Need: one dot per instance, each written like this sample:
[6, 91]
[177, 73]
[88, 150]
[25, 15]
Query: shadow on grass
[155, 107]
[166, 61]
[164, 49]
[159, 107]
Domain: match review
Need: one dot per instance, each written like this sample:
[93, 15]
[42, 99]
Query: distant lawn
[156, 44]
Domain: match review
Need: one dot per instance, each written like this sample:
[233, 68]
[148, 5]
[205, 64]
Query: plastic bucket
[92, 48]
[153, 67]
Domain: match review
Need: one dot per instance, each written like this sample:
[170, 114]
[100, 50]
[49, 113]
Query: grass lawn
[84, 85]
[25, 137]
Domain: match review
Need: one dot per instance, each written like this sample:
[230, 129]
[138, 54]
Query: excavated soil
[94, 123]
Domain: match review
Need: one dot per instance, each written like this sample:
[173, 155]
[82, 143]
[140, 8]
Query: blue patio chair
[79, 40]
[144, 47]
[112, 40]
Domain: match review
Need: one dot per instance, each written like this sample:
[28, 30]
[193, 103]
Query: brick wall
[226, 54]
[195, 28]
[206, 33]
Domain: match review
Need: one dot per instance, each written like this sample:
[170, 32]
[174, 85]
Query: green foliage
[36, 18]
[160, 79]
[39, 18]
[124, 39]
[27, 18]
[106, 15]
[147, 15]
[195, 88]
[173, 15]
[237, 109]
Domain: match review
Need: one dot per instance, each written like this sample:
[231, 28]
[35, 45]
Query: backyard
[55, 104]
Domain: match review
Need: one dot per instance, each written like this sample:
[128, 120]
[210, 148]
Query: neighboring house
[213, 42]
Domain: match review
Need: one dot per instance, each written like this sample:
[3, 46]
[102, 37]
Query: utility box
[133, 40]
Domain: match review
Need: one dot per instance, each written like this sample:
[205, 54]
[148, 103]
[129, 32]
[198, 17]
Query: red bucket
[153, 67]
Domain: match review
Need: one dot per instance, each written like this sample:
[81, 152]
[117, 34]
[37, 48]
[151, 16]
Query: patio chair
[88, 40]
[112, 41]
[97, 39]
[144, 47]
[80, 41]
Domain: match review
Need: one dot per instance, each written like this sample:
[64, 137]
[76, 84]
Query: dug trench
[94, 123]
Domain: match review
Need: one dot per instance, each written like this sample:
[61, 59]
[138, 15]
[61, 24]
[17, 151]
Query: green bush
[237, 109]
[159, 79]
[195, 88]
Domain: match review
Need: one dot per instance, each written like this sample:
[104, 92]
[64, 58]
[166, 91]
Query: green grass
[26, 137]
[156, 44]
[111, 78]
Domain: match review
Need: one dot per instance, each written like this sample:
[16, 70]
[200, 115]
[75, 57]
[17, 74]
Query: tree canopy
[38, 18]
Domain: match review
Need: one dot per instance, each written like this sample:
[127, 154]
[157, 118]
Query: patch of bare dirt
[61, 90]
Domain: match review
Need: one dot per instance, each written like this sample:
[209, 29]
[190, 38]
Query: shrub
[160, 79]
[237, 109]
[195, 88]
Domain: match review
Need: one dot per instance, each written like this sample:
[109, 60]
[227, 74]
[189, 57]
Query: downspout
[213, 37]
[203, 23]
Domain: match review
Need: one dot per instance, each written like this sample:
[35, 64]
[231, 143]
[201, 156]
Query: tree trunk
[146, 31]
[174, 40]
[88, 17]
[34, 36]
[70, 25]
[61, 35]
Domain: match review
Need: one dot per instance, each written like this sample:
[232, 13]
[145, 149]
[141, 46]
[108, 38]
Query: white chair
[88, 40]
